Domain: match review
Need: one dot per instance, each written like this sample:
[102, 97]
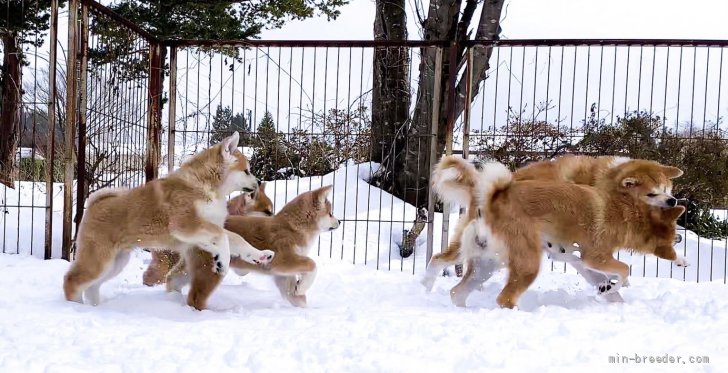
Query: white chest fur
[214, 211]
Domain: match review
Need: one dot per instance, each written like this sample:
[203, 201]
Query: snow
[358, 320]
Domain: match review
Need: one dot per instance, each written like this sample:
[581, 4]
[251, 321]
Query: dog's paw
[265, 257]
[219, 266]
[609, 287]
[298, 300]
[428, 282]
[681, 261]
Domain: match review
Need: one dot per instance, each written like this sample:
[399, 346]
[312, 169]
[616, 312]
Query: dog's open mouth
[248, 190]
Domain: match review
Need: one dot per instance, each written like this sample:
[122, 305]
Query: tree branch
[488, 29]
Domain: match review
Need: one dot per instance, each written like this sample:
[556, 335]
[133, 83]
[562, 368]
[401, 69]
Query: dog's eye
[651, 195]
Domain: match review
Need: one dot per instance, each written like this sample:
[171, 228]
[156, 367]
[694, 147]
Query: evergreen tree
[224, 123]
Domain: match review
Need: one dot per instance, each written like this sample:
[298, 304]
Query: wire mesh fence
[353, 114]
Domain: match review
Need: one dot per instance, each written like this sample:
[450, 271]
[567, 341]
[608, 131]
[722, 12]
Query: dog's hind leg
[606, 264]
[93, 293]
[92, 261]
[477, 272]
[203, 283]
[522, 270]
[595, 278]
[178, 276]
[439, 262]
[162, 262]
[287, 285]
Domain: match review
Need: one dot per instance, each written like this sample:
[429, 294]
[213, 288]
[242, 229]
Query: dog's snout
[258, 181]
[671, 202]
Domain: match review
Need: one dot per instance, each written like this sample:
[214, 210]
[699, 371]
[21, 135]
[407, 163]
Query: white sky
[698, 19]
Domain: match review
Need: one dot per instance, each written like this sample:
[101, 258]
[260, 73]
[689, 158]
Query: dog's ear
[630, 182]
[672, 172]
[236, 205]
[321, 194]
[673, 213]
[229, 144]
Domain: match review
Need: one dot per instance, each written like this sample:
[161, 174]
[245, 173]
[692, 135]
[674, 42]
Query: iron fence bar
[441, 43]
[172, 108]
[433, 151]
[71, 90]
[81, 178]
[51, 153]
[154, 112]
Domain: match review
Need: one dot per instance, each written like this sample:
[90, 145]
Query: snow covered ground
[358, 320]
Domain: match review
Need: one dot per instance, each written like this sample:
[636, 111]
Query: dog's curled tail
[493, 177]
[103, 194]
[455, 180]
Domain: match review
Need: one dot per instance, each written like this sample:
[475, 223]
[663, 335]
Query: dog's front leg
[240, 247]
[669, 253]
[210, 238]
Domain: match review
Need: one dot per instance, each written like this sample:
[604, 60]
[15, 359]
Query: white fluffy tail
[454, 180]
[103, 194]
[493, 176]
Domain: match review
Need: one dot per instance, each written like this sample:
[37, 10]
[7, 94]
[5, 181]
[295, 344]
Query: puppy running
[246, 203]
[584, 170]
[290, 234]
[514, 216]
[182, 210]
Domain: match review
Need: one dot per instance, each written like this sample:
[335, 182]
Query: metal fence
[305, 111]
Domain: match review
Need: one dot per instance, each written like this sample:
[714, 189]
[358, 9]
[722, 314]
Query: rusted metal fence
[304, 109]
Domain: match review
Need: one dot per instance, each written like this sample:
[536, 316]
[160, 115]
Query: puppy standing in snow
[290, 234]
[185, 209]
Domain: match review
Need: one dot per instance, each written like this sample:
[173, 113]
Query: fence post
[451, 97]
[172, 107]
[154, 116]
[51, 150]
[81, 186]
[466, 126]
[433, 151]
[68, 159]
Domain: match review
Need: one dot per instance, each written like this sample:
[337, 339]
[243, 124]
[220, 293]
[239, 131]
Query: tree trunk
[488, 29]
[391, 88]
[408, 173]
[10, 113]
[413, 182]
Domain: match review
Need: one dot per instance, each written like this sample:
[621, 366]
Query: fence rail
[131, 107]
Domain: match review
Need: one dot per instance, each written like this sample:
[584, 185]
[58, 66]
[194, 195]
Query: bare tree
[391, 89]
[406, 173]
[112, 124]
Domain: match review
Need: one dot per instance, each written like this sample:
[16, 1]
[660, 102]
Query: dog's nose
[258, 180]
[671, 202]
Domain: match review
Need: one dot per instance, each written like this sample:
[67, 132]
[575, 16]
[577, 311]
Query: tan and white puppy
[290, 234]
[585, 170]
[185, 209]
[255, 202]
[514, 216]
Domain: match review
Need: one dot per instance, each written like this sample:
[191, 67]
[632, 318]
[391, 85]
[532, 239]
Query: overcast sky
[699, 19]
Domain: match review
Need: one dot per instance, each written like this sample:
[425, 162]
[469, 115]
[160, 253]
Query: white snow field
[358, 320]
[361, 319]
